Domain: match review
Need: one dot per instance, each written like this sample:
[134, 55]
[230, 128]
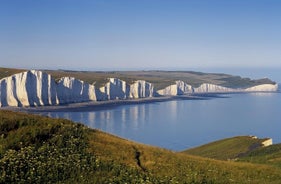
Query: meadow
[36, 149]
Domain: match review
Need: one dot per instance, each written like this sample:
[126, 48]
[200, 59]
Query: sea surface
[181, 124]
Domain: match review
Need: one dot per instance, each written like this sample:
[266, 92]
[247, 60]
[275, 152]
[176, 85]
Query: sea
[180, 124]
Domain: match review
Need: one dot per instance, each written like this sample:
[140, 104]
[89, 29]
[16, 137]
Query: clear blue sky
[140, 34]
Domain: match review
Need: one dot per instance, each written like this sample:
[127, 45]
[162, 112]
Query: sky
[140, 34]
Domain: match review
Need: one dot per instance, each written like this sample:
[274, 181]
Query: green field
[35, 149]
[227, 149]
[266, 155]
[160, 79]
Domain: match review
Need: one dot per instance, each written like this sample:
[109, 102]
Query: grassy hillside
[226, 149]
[5, 72]
[36, 149]
[160, 79]
[265, 155]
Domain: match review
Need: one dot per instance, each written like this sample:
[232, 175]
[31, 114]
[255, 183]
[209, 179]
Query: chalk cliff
[263, 87]
[31, 88]
[70, 90]
[212, 88]
[267, 142]
[36, 88]
[141, 89]
[179, 88]
[114, 89]
[119, 89]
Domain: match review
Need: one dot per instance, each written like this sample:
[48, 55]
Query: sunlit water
[181, 124]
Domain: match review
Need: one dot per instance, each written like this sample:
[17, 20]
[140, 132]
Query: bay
[181, 124]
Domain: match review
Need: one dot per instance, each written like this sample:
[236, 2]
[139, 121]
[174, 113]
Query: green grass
[42, 150]
[35, 149]
[226, 149]
[236, 81]
[5, 72]
[265, 155]
[160, 79]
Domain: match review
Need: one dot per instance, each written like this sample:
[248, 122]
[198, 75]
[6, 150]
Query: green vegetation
[226, 149]
[35, 149]
[160, 79]
[234, 81]
[5, 72]
[264, 155]
[42, 150]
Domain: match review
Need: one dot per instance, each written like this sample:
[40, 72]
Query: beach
[102, 105]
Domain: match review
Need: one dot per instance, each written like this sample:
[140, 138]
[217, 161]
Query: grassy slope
[160, 79]
[182, 167]
[5, 72]
[265, 155]
[225, 149]
[39, 150]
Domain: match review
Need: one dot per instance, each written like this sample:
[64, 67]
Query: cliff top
[160, 79]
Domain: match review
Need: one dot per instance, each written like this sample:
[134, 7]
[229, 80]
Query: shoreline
[112, 104]
[109, 104]
[104, 105]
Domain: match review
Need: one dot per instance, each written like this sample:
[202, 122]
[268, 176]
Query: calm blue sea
[182, 124]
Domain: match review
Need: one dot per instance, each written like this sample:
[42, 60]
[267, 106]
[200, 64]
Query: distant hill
[36, 149]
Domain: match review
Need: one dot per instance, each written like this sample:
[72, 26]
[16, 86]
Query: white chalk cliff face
[36, 88]
[70, 90]
[141, 89]
[263, 87]
[119, 89]
[212, 88]
[179, 88]
[114, 89]
[169, 91]
[31, 88]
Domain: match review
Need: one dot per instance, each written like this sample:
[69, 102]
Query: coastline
[113, 105]
[38, 88]
[101, 105]
[109, 104]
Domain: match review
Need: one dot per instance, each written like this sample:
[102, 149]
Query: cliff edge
[37, 88]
